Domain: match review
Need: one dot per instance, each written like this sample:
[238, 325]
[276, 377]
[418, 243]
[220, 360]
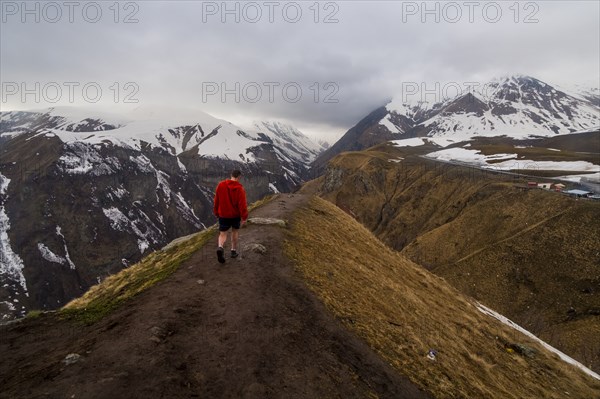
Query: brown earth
[249, 328]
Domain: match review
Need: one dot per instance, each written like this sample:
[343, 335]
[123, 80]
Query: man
[231, 209]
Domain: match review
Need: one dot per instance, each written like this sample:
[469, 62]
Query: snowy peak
[588, 92]
[60, 118]
[466, 104]
[527, 91]
[174, 132]
[295, 143]
[518, 106]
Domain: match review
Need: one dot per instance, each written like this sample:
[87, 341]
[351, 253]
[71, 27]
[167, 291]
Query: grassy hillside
[531, 255]
[402, 311]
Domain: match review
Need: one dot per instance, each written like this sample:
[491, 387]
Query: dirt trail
[250, 329]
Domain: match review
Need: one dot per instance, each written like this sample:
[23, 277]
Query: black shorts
[227, 223]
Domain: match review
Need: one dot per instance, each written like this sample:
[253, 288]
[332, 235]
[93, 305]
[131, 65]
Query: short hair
[236, 173]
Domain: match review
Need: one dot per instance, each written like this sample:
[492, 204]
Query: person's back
[231, 209]
[230, 200]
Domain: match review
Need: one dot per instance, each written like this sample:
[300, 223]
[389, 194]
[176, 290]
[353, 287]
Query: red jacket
[230, 200]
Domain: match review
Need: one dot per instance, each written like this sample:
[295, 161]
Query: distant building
[545, 186]
[559, 187]
[532, 184]
[595, 197]
[578, 193]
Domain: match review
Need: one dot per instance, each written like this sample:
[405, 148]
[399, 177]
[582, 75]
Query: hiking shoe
[220, 256]
[234, 253]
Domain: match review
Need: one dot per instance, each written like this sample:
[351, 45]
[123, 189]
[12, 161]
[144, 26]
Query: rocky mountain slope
[362, 323]
[84, 195]
[514, 106]
[530, 254]
[296, 145]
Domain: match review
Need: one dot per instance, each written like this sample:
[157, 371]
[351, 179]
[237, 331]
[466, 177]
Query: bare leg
[235, 234]
[222, 239]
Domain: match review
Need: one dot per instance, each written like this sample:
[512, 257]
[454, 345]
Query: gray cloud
[171, 54]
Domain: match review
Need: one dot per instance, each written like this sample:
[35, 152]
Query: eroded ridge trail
[246, 329]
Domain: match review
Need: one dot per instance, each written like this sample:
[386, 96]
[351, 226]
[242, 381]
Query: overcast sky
[352, 55]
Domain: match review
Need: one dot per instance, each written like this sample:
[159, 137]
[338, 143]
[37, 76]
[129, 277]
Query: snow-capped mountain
[209, 136]
[294, 142]
[84, 194]
[516, 106]
[590, 92]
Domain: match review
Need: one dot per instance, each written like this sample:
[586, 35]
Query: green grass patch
[34, 314]
[103, 298]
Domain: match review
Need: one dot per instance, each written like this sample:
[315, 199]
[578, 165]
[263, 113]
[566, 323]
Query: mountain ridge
[517, 106]
[296, 325]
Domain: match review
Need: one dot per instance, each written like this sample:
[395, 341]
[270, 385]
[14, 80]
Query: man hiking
[231, 209]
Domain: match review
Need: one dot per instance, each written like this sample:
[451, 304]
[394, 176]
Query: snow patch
[143, 245]
[273, 188]
[389, 125]
[120, 192]
[67, 256]
[514, 325]
[442, 141]
[510, 162]
[413, 142]
[460, 154]
[9, 305]
[595, 177]
[120, 222]
[578, 166]
[49, 255]
[82, 158]
[4, 182]
[186, 211]
[162, 184]
[181, 165]
[143, 163]
[11, 264]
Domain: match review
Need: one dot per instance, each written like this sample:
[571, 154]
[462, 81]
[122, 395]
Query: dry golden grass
[402, 311]
[530, 254]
